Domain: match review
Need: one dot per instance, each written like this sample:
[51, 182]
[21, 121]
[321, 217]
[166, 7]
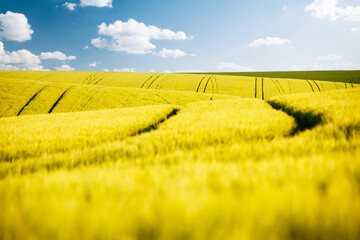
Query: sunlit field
[90, 155]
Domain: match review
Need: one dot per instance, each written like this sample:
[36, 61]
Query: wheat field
[178, 156]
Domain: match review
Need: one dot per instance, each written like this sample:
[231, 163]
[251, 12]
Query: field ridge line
[317, 85]
[197, 90]
[156, 125]
[255, 87]
[148, 80]
[312, 89]
[153, 81]
[281, 88]
[57, 101]
[207, 83]
[32, 98]
[305, 120]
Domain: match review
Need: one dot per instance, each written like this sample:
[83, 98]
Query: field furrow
[207, 82]
[198, 87]
[31, 99]
[312, 89]
[59, 99]
[317, 85]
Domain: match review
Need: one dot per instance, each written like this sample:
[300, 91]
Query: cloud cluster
[18, 60]
[328, 9]
[94, 64]
[65, 68]
[96, 3]
[25, 60]
[133, 37]
[167, 53]
[88, 3]
[69, 6]
[15, 27]
[56, 55]
[269, 41]
[232, 67]
[355, 29]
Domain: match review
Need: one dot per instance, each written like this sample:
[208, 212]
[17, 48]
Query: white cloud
[17, 57]
[106, 70]
[15, 27]
[64, 68]
[86, 47]
[56, 55]
[133, 37]
[19, 60]
[125, 70]
[328, 9]
[269, 41]
[166, 53]
[69, 6]
[7, 67]
[96, 3]
[355, 29]
[232, 67]
[330, 57]
[94, 64]
[344, 65]
[285, 8]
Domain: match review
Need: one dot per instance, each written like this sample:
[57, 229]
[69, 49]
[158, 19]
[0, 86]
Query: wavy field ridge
[178, 156]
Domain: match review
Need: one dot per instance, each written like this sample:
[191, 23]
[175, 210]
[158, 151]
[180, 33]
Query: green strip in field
[334, 76]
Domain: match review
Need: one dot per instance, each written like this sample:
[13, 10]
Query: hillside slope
[23, 97]
[250, 87]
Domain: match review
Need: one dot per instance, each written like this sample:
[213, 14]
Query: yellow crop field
[177, 156]
[22, 97]
[263, 88]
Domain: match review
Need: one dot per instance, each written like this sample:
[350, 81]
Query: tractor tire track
[153, 81]
[86, 79]
[207, 83]
[277, 87]
[57, 101]
[97, 77]
[158, 86]
[317, 85]
[312, 89]
[32, 98]
[262, 89]
[148, 80]
[197, 90]
[156, 125]
[281, 88]
[42, 79]
[255, 87]
[104, 76]
[94, 78]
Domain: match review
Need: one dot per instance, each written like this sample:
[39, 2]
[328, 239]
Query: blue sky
[179, 36]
